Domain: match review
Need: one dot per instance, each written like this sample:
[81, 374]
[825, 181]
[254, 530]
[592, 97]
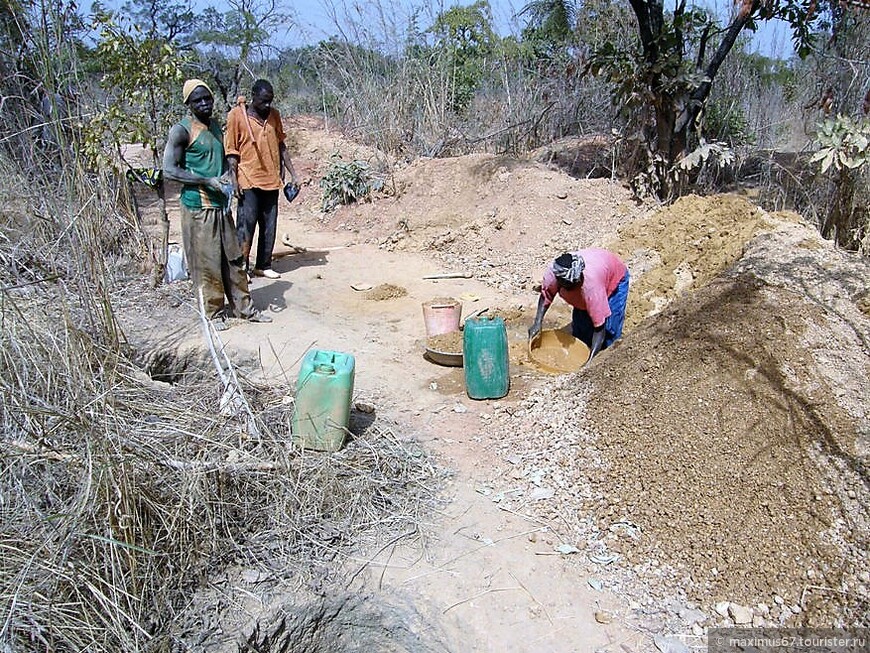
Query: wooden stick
[478, 595]
[532, 596]
[450, 275]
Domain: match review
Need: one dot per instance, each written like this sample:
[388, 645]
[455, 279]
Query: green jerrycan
[324, 391]
[485, 358]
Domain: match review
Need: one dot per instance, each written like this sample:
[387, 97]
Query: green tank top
[203, 156]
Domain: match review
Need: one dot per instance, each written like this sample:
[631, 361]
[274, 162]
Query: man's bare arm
[173, 156]
[233, 168]
[287, 163]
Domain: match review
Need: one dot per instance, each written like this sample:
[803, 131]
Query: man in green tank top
[194, 156]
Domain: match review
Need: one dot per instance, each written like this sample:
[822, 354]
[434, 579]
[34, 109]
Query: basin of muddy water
[558, 352]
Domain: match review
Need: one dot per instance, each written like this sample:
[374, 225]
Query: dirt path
[486, 571]
[491, 579]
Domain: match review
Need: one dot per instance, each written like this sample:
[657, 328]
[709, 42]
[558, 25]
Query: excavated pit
[346, 623]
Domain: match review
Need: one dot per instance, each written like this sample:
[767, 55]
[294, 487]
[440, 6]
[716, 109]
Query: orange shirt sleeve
[233, 136]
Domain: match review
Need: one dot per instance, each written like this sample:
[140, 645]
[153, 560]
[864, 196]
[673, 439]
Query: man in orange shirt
[258, 159]
[194, 156]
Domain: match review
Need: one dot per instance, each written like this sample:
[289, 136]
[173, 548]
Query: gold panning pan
[557, 352]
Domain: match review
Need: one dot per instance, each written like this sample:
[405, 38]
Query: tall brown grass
[120, 495]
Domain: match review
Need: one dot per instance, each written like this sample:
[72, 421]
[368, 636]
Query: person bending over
[593, 281]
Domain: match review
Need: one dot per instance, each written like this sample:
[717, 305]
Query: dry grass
[120, 494]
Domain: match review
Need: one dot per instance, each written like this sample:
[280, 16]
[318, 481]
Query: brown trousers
[215, 262]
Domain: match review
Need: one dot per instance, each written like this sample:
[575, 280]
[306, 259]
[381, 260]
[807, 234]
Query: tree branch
[702, 47]
[731, 33]
[644, 24]
[678, 30]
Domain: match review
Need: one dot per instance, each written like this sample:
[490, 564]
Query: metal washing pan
[449, 359]
[558, 352]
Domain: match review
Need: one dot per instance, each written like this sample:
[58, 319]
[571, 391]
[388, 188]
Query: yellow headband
[190, 86]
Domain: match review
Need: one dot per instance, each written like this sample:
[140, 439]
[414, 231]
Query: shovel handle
[476, 313]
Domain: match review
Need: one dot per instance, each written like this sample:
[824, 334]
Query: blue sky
[319, 19]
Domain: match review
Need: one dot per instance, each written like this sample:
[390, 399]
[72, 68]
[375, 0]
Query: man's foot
[219, 323]
[269, 273]
[260, 317]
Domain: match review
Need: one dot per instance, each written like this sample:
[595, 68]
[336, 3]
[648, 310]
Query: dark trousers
[215, 264]
[257, 208]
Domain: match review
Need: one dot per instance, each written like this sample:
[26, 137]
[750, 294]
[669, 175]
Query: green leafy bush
[728, 123]
[845, 143]
[346, 182]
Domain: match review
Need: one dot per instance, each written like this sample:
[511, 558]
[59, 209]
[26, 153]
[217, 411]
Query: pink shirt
[604, 270]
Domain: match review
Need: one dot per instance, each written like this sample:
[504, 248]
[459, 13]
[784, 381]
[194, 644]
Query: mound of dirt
[721, 449]
[683, 246]
[499, 218]
[385, 291]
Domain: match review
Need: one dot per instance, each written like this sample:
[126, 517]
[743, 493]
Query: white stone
[691, 615]
[669, 645]
[740, 613]
[721, 608]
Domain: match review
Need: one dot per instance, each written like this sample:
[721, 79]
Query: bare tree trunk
[676, 115]
[839, 225]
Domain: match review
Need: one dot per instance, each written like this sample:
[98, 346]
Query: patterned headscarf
[569, 267]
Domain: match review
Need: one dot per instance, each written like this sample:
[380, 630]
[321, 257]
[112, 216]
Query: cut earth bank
[710, 469]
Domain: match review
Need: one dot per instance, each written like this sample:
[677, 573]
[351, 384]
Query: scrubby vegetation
[108, 502]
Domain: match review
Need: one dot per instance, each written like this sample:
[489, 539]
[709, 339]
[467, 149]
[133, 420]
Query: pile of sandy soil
[720, 450]
[385, 291]
[498, 218]
[682, 247]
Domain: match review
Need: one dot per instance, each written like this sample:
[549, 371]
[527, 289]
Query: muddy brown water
[556, 351]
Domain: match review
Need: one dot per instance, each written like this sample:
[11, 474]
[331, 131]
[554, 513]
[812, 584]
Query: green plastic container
[323, 396]
[485, 358]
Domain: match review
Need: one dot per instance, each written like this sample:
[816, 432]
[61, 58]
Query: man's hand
[535, 329]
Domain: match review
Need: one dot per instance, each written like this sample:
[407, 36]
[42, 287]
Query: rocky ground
[709, 469]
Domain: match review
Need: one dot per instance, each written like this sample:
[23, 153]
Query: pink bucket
[441, 315]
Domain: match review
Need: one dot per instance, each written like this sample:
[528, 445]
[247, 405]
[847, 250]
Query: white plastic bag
[176, 266]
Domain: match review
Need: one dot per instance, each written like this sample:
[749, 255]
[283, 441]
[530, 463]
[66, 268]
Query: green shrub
[346, 182]
[727, 123]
